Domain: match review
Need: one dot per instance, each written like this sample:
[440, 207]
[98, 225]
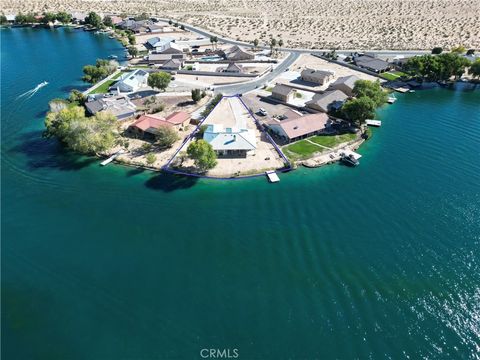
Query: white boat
[350, 158]
[113, 57]
[376, 123]
[391, 99]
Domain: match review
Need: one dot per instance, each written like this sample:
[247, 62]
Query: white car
[262, 112]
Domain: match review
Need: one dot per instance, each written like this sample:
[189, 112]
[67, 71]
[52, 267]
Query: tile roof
[304, 125]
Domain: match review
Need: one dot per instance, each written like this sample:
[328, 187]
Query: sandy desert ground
[321, 24]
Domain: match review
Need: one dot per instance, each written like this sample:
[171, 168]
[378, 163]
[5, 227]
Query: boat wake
[28, 94]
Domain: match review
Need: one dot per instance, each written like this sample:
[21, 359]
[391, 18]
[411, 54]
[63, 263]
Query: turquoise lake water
[380, 261]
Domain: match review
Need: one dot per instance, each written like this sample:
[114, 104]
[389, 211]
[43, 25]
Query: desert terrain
[320, 24]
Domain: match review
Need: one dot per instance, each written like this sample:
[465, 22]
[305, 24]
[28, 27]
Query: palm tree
[273, 43]
[280, 43]
[255, 43]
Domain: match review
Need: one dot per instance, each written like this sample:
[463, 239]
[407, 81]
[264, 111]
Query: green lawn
[392, 75]
[332, 140]
[102, 89]
[303, 149]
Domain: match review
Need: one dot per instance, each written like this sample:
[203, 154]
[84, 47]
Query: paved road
[259, 82]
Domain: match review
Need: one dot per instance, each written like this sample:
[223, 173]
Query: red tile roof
[178, 117]
[145, 122]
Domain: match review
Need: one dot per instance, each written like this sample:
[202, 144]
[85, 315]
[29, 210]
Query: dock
[111, 158]
[376, 123]
[272, 176]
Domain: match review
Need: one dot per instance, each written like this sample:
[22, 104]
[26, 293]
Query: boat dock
[111, 158]
[272, 176]
[376, 123]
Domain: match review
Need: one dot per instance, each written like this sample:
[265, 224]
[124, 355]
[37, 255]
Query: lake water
[379, 261]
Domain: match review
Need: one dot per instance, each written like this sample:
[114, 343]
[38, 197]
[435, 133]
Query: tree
[470, 52]
[20, 19]
[166, 136]
[437, 50]
[99, 71]
[475, 69]
[3, 19]
[93, 19]
[107, 21]
[63, 17]
[359, 109]
[273, 43]
[131, 39]
[196, 95]
[202, 154]
[159, 80]
[151, 158]
[142, 16]
[372, 90]
[76, 97]
[280, 43]
[132, 50]
[255, 43]
[182, 27]
[170, 22]
[87, 135]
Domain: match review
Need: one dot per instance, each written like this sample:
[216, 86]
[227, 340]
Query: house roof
[232, 67]
[118, 106]
[349, 81]
[172, 63]
[149, 122]
[236, 51]
[303, 125]
[178, 117]
[281, 89]
[230, 138]
[157, 41]
[317, 74]
[325, 100]
[133, 78]
[371, 62]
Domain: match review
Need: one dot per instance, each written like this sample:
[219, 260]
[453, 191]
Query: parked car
[262, 112]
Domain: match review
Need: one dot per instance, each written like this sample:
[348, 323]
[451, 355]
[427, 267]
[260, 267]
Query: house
[320, 77]
[116, 19]
[163, 58]
[283, 93]
[172, 64]
[329, 100]
[370, 63]
[154, 28]
[300, 127]
[120, 106]
[135, 26]
[78, 17]
[132, 81]
[231, 68]
[146, 127]
[236, 53]
[231, 141]
[345, 84]
[158, 44]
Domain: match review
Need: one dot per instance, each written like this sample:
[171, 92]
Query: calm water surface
[380, 261]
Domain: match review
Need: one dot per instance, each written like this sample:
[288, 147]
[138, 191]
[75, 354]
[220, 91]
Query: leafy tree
[151, 158]
[142, 16]
[159, 80]
[182, 27]
[131, 39]
[99, 71]
[87, 135]
[76, 97]
[370, 89]
[202, 154]
[107, 21]
[132, 50]
[437, 50]
[63, 17]
[214, 41]
[475, 69]
[280, 43]
[211, 105]
[20, 19]
[170, 22]
[470, 52]
[166, 136]
[3, 19]
[196, 95]
[93, 19]
[359, 109]
[255, 43]
[30, 18]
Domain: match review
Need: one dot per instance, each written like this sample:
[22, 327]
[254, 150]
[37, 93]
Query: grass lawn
[332, 140]
[303, 149]
[392, 75]
[102, 89]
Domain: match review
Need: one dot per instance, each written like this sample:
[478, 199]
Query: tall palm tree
[280, 43]
[273, 43]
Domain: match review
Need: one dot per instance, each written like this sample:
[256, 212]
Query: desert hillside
[352, 24]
